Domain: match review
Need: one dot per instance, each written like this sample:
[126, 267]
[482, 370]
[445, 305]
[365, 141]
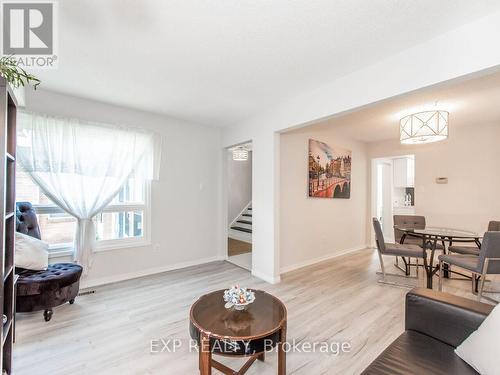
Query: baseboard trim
[267, 278]
[92, 283]
[323, 258]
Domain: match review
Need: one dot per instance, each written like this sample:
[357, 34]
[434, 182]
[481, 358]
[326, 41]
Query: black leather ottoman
[43, 290]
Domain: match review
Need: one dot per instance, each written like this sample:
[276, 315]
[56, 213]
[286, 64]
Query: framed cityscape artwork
[329, 171]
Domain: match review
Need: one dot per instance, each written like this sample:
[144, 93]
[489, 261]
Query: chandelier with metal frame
[424, 127]
[240, 154]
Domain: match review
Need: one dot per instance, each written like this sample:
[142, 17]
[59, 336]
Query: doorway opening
[240, 210]
[393, 190]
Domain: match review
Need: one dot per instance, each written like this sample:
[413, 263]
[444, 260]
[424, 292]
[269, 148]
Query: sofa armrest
[445, 317]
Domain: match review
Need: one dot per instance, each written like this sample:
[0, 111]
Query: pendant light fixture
[424, 127]
[240, 154]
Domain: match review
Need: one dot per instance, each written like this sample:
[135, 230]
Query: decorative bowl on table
[237, 297]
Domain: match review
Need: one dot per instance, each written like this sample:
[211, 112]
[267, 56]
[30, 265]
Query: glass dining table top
[440, 232]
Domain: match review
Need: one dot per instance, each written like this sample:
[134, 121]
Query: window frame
[64, 249]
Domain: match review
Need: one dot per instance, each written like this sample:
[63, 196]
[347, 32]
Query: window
[123, 223]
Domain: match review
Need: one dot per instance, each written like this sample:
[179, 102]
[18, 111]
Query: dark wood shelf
[7, 273]
[6, 327]
[8, 114]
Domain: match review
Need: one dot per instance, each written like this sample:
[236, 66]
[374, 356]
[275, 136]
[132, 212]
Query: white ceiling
[470, 102]
[218, 62]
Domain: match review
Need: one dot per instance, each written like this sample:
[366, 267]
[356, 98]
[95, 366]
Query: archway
[337, 193]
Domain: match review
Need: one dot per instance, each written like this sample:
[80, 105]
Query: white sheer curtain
[81, 166]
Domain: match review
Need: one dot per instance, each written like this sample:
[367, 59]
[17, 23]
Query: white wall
[186, 209]
[239, 174]
[470, 159]
[314, 229]
[459, 52]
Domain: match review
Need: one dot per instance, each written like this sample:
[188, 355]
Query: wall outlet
[156, 247]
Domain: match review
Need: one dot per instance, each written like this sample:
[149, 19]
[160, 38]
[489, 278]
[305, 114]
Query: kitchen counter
[403, 210]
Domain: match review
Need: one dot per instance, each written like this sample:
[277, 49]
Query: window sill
[61, 253]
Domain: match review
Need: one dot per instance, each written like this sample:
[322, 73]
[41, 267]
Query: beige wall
[313, 229]
[186, 206]
[470, 158]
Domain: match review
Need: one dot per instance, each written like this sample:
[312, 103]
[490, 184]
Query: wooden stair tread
[244, 222]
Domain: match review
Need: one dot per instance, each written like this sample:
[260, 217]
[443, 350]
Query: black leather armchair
[435, 324]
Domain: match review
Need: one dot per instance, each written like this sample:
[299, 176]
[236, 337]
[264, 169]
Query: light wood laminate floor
[236, 247]
[110, 332]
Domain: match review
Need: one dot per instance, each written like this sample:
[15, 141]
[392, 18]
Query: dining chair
[493, 226]
[487, 263]
[410, 222]
[395, 249]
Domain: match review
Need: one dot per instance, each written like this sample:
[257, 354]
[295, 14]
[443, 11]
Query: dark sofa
[435, 324]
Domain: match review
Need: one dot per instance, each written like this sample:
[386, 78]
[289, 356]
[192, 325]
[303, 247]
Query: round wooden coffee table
[250, 332]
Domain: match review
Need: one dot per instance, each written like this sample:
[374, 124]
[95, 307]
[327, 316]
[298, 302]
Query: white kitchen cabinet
[404, 172]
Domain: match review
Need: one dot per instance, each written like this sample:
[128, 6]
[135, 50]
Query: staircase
[241, 228]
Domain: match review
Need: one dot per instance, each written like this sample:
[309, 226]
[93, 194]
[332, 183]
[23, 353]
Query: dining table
[431, 236]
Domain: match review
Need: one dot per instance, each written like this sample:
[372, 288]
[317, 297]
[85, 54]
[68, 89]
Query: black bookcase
[8, 107]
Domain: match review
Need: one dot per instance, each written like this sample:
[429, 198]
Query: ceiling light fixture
[240, 154]
[424, 127]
